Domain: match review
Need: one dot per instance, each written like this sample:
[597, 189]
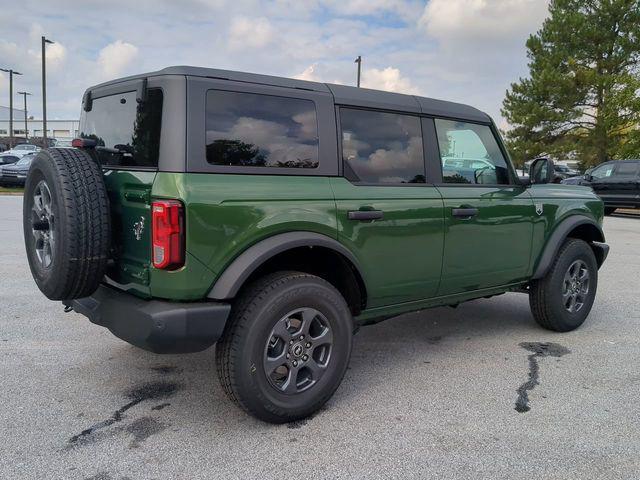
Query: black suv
[617, 182]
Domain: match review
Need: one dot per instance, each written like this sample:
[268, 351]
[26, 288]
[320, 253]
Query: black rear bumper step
[154, 325]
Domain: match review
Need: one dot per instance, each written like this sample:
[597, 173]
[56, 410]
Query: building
[63, 129]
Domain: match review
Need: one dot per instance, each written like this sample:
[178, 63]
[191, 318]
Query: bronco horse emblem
[138, 228]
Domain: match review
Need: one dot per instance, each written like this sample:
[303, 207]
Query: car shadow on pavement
[378, 350]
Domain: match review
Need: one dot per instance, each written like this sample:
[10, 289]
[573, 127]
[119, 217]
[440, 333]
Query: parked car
[576, 179]
[472, 170]
[616, 182]
[564, 172]
[6, 158]
[60, 143]
[16, 173]
[3, 147]
[276, 216]
[22, 149]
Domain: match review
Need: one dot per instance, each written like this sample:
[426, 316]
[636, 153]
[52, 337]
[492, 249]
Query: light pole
[359, 62]
[26, 128]
[11, 74]
[44, 91]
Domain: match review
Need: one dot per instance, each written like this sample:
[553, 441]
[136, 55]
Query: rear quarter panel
[558, 203]
[226, 213]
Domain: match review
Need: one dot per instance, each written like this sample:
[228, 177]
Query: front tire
[562, 300]
[286, 346]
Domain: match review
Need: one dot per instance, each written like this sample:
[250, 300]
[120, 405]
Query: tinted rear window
[127, 133]
[254, 130]
[626, 169]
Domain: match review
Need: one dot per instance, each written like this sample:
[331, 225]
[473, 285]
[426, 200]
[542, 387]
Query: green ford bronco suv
[275, 216]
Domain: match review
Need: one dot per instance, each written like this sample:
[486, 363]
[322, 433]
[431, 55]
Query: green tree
[582, 93]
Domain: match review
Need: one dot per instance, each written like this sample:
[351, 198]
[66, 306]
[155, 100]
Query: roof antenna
[359, 62]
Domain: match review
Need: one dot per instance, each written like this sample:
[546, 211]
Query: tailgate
[129, 198]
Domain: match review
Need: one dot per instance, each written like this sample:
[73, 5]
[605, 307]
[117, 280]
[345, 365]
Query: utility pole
[26, 128]
[44, 91]
[11, 74]
[359, 62]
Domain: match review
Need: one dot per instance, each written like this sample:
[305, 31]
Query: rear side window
[470, 154]
[127, 133]
[626, 169]
[382, 147]
[254, 130]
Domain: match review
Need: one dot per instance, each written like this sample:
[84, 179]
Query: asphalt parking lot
[427, 395]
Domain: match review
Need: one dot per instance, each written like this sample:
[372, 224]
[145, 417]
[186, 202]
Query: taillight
[167, 233]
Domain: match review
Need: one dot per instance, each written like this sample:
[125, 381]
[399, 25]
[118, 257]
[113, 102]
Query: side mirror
[588, 177]
[541, 171]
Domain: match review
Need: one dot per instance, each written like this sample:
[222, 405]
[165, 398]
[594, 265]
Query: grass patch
[11, 190]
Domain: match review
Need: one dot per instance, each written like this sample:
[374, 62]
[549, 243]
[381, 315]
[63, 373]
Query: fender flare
[234, 276]
[556, 239]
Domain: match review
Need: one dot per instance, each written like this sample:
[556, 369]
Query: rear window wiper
[116, 149]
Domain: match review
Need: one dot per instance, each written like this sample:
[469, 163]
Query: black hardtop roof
[343, 94]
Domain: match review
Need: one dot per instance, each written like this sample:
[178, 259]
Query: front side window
[382, 147]
[470, 154]
[253, 130]
[603, 171]
[126, 132]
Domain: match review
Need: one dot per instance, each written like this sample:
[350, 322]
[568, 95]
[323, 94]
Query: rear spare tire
[66, 223]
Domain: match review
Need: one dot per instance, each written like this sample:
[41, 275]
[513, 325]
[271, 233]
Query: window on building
[382, 147]
[470, 154]
[253, 130]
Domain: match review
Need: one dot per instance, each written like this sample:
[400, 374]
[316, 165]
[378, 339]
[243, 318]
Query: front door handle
[364, 215]
[464, 212]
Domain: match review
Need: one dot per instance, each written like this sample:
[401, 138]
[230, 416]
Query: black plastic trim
[464, 212]
[364, 215]
[556, 239]
[155, 325]
[228, 284]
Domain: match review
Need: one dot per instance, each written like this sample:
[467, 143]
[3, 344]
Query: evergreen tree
[583, 90]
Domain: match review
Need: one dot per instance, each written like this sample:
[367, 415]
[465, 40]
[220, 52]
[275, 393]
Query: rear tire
[66, 223]
[562, 300]
[286, 346]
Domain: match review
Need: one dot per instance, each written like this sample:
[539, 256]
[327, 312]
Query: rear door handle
[363, 215]
[464, 212]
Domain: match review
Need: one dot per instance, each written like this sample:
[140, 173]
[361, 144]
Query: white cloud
[116, 57]
[250, 32]
[464, 21]
[388, 79]
[403, 8]
[308, 74]
[463, 50]
[56, 54]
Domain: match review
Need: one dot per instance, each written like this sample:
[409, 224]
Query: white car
[23, 149]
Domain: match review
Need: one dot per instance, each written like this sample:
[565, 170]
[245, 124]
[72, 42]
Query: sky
[467, 51]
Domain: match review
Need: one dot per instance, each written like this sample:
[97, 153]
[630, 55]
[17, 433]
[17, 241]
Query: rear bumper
[13, 180]
[154, 325]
